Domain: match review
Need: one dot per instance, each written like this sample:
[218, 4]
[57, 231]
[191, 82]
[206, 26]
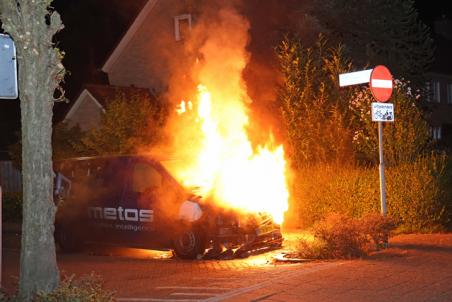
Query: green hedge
[418, 193]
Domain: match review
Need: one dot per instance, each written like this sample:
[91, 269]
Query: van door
[105, 188]
[138, 223]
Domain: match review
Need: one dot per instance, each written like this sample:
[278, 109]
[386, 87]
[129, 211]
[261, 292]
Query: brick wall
[147, 59]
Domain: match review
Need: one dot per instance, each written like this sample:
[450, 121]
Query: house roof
[101, 95]
[129, 35]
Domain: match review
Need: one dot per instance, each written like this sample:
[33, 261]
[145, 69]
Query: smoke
[215, 56]
[231, 50]
[214, 51]
[211, 128]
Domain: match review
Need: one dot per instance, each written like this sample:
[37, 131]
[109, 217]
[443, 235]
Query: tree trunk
[38, 267]
[32, 27]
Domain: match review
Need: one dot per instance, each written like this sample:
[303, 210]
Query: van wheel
[67, 240]
[188, 244]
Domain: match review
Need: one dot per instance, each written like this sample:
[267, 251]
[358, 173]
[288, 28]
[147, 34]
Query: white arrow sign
[353, 78]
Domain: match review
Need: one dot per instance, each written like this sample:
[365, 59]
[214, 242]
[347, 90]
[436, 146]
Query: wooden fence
[10, 177]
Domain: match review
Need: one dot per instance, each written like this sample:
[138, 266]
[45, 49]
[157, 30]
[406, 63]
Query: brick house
[158, 33]
[154, 43]
[153, 47]
[137, 64]
[439, 104]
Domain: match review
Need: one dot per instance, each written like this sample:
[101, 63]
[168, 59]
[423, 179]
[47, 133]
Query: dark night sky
[93, 28]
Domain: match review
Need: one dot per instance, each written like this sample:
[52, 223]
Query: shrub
[12, 207]
[86, 288]
[312, 249]
[447, 183]
[377, 228]
[340, 236]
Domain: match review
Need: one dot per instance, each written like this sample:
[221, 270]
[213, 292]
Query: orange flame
[228, 169]
[210, 134]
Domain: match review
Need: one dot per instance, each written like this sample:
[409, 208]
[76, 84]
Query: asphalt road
[414, 268]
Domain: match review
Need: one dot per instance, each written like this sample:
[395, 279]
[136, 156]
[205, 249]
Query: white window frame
[177, 22]
[449, 93]
[436, 132]
[436, 91]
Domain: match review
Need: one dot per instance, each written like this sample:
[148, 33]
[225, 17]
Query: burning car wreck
[228, 147]
[134, 201]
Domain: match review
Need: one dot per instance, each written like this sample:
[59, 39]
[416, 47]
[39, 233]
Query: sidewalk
[414, 268]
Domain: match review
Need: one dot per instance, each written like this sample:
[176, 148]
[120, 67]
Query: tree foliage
[66, 141]
[129, 124]
[404, 140]
[378, 32]
[329, 129]
[313, 108]
[323, 120]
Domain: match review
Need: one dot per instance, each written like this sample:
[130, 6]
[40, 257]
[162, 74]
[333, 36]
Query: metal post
[382, 170]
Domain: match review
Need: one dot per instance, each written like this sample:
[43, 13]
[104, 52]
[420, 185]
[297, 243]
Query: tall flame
[218, 156]
[229, 170]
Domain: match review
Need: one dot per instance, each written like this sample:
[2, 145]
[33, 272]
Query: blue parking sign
[8, 68]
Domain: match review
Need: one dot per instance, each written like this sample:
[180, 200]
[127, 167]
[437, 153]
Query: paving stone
[419, 268]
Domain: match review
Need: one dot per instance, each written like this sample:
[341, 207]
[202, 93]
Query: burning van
[134, 201]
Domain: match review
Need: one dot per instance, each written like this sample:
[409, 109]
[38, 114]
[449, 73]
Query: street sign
[353, 78]
[8, 68]
[382, 112]
[380, 79]
[381, 83]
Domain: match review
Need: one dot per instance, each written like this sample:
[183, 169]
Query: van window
[145, 177]
[92, 179]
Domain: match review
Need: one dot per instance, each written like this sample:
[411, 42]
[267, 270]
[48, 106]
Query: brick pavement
[414, 268]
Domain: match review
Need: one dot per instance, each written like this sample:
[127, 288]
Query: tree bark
[40, 72]
[38, 267]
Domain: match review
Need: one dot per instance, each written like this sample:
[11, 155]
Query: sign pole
[382, 170]
[381, 85]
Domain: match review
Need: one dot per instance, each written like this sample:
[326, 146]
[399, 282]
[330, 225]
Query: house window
[182, 26]
[449, 93]
[436, 132]
[436, 92]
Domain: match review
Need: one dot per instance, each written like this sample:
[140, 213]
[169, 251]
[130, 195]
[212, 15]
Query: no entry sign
[381, 83]
[381, 87]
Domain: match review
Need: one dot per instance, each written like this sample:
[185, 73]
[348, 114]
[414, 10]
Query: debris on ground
[289, 257]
